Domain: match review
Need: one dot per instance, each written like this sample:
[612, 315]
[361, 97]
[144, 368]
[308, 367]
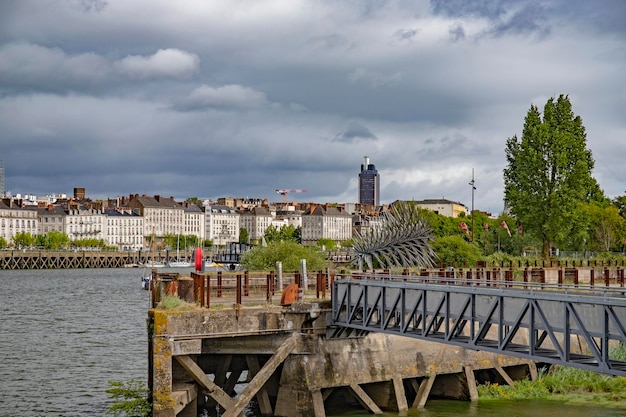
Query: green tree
[290, 253]
[244, 236]
[620, 203]
[327, 244]
[456, 251]
[548, 172]
[605, 227]
[3, 243]
[23, 240]
[57, 240]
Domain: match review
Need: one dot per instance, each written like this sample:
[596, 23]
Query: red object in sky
[463, 227]
[198, 259]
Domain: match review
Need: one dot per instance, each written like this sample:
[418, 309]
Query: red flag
[463, 227]
[506, 227]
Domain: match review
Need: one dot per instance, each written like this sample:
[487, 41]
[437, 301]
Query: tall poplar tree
[549, 172]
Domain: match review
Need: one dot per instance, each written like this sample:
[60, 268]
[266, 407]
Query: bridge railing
[615, 289]
[554, 323]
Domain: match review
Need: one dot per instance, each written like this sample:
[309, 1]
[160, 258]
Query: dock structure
[264, 353]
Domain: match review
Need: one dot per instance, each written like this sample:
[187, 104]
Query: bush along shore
[566, 384]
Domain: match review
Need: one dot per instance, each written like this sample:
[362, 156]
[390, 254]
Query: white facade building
[124, 228]
[81, 223]
[222, 224]
[15, 219]
[256, 221]
[324, 222]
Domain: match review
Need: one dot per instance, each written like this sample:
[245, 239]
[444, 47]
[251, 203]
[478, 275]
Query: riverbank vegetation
[563, 383]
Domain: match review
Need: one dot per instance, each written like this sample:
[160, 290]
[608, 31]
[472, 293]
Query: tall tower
[369, 184]
[1, 179]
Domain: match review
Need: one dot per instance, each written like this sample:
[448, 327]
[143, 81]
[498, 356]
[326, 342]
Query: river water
[65, 333]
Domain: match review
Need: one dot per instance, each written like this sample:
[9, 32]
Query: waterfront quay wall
[277, 361]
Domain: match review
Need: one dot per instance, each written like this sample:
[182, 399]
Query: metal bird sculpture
[402, 239]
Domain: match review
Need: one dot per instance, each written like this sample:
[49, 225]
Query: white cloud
[164, 63]
[231, 96]
[28, 64]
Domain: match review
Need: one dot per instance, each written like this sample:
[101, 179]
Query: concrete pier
[276, 360]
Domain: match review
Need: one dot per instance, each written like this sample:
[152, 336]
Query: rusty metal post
[575, 277]
[560, 278]
[592, 277]
[208, 290]
[268, 288]
[238, 290]
[607, 277]
[219, 284]
[273, 282]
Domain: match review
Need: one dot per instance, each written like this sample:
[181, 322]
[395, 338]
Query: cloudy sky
[200, 98]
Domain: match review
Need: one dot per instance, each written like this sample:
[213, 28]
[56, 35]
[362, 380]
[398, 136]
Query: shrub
[130, 399]
[454, 250]
[262, 258]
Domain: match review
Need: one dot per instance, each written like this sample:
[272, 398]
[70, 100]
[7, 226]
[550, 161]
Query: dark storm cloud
[529, 19]
[355, 132]
[210, 99]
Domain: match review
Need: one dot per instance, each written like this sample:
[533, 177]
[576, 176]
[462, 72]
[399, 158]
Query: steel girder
[542, 325]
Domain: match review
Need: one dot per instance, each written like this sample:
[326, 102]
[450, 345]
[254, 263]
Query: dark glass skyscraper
[369, 184]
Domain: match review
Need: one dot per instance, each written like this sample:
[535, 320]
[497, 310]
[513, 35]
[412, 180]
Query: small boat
[150, 264]
[146, 282]
[179, 264]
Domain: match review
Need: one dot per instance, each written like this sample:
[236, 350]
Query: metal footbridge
[558, 324]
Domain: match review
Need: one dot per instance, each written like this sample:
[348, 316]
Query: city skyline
[206, 99]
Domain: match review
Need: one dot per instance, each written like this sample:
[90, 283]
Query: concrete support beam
[504, 375]
[398, 387]
[231, 381]
[262, 396]
[200, 377]
[424, 391]
[471, 383]
[261, 377]
[222, 369]
[185, 397]
[365, 399]
[532, 369]
[318, 404]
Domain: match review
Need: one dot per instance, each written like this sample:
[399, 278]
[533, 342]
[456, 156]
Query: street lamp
[473, 189]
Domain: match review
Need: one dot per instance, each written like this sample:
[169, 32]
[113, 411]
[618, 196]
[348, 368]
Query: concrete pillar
[471, 383]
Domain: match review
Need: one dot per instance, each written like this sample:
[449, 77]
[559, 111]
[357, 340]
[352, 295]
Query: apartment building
[325, 222]
[84, 223]
[124, 228]
[222, 224]
[255, 220]
[194, 221]
[51, 219]
[162, 216]
[442, 206]
[16, 219]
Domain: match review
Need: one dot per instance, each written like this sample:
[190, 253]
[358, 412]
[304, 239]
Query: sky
[238, 98]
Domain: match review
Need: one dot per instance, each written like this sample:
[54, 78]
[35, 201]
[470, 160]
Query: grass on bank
[564, 383]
